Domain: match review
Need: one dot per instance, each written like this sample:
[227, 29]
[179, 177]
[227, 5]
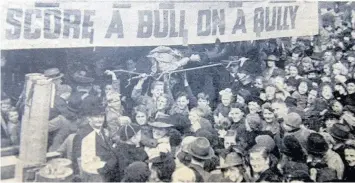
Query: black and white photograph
[177, 91]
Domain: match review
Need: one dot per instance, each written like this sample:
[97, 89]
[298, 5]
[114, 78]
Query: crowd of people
[254, 111]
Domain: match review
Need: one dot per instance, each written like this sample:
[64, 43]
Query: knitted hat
[294, 120]
[254, 122]
[340, 131]
[136, 172]
[316, 144]
[127, 131]
[266, 141]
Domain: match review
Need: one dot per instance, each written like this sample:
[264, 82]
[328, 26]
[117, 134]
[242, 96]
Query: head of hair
[140, 108]
[203, 96]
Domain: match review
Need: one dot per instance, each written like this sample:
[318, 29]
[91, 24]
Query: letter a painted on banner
[116, 26]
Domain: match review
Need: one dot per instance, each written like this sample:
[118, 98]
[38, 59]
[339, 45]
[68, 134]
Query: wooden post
[34, 127]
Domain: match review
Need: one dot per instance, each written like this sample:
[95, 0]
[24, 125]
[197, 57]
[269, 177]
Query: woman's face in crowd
[270, 92]
[97, 121]
[327, 56]
[303, 88]
[141, 118]
[236, 114]
[350, 156]
[293, 71]
[232, 173]
[253, 107]
[258, 162]
[351, 88]
[327, 92]
[268, 115]
[182, 102]
[226, 100]
[312, 95]
[159, 133]
[161, 103]
[337, 107]
[203, 102]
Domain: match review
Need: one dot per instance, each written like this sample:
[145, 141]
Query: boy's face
[203, 102]
[258, 83]
[13, 116]
[158, 90]
[295, 57]
[351, 88]
[161, 103]
[253, 107]
[303, 88]
[327, 92]
[226, 100]
[268, 116]
[337, 107]
[5, 105]
[312, 95]
[182, 102]
[293, 71]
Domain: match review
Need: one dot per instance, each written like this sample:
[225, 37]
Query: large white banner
[114, 24]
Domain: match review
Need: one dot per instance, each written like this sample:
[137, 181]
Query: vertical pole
[34, 130]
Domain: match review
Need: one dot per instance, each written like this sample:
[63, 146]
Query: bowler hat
[53, 73]
[200, 148]
[232, 159]
[272, 58]
[340, 131]
[316, 144]
[82, 77]
[162, 122]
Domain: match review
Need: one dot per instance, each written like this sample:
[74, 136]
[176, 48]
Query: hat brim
[209, 156]
[337, 137]
[227, 165]
[160, 125]
[56, 77]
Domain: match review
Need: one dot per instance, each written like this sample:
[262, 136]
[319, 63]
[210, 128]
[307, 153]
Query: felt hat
[53, 73]
[74, 104]
[82, 77]
[316, 56]
[272, 58]
[162, 122]
[200, 148]
[126, 132]
[265, 140]
[340, 131]
[316, 144]
[294, 120]
[232, 159]
[290, 146]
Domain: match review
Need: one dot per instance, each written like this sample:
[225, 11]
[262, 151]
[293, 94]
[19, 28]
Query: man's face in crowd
[280, 109]
[141, 118]
[351, 88]
[182, 102]
[258, 83]
[229, 141]
[234, 69]
[13, 116]
[327, 56]
[97, 121]
[295, 57]
[312, 95]
[236, 114]
[226, 100]
[326, 70]
[338, 55]
[268, 116]
[158, 90]
[258, 162]
[270, 92]
[203, 102]
[337, 107]
[293, 71]
[159, 133]
[302, 88]
[270, 63]
[161, 102]
[5, 105]
[327, 92]
[350, 156]
[232, 173]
